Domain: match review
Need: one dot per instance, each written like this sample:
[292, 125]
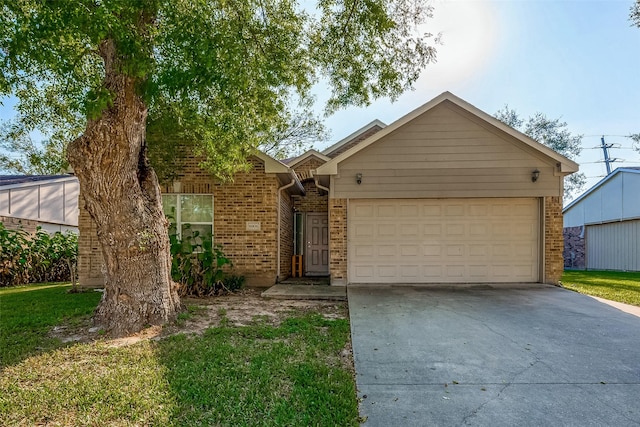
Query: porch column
[338, 241]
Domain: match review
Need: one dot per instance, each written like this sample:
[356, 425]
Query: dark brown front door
[317, 239]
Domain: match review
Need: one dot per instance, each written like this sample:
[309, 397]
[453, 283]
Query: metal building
[602, 226]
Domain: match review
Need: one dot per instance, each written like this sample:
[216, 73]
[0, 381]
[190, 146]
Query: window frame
[178, 215]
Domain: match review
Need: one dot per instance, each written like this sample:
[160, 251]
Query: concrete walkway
[313, 292]
[499, 356]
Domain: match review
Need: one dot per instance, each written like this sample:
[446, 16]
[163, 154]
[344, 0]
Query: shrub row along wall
[36, 257]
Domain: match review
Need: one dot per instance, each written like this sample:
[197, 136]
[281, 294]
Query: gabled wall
[446, 152]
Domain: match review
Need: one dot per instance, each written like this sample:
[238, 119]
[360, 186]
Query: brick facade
[28, 225]
[286, 235]
[252, 196]
[553, 242]
[338, 241]
[574, 248]
[90, 261]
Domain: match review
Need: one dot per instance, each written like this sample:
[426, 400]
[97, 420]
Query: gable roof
[310, 153]
[617, 171]
[565, 165]
[344, 141]
[283, 171]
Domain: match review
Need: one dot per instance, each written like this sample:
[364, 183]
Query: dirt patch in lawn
[238, 309]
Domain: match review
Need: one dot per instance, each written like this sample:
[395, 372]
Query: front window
[189, 214]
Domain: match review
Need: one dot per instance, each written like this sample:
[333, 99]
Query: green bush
[197, 265]
[39, 257]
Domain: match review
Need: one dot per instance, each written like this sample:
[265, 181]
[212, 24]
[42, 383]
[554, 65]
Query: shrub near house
[39, 257]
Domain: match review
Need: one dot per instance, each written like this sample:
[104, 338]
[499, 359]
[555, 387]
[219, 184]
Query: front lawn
[612, 285]
[28, 313]
[289, 372]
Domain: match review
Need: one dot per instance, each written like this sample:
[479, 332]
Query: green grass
[27, 314]
[613, 285]
[257, 375]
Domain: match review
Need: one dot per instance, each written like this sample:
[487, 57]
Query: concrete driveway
[494, 356]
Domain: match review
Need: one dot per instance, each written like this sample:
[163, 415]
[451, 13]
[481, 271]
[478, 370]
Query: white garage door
[443, 240]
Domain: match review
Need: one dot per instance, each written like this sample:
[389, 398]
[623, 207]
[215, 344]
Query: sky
[574, 60]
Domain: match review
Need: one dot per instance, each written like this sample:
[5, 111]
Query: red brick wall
[553, 241]
[252, 196]
[574, 248]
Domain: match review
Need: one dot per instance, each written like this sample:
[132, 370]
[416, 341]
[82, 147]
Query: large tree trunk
[122, 195]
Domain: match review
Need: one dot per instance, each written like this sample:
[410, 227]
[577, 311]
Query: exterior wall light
[535, 175]
[359, 178]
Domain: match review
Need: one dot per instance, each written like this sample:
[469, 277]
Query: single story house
[46, 201]
[446, 194]
[602, 226]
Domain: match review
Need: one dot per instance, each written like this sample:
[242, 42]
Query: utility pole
[607, 159]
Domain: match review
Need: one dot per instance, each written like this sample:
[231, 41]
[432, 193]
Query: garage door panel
[387, 211]
[455, 230]
[406, 210]
[363, 230]
[432, 230]
[387, 250]
[409, 271]
[455, 209]
[386, 230]
[437, 240]
[431, 272]
[478, 271]
[388, 271]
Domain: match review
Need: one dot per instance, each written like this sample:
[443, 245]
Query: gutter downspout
[315, 180]
[284, 187]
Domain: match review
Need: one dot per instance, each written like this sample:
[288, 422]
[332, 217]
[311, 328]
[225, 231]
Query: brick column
[553, 240]
[338, 241]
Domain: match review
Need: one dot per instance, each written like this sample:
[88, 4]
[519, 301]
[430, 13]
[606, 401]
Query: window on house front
[189, 213]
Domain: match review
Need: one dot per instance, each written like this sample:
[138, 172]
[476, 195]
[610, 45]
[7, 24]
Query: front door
[317, 251]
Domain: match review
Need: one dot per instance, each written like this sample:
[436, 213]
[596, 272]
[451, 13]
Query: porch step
[306, 281]
[313, 292]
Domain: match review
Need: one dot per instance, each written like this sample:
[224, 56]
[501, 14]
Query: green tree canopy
[554, 134]
[218, 77]
[634, 15]
[228, 76]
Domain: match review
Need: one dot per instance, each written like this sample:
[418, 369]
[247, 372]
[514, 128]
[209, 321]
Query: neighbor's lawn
[613, 285]
[237, 376]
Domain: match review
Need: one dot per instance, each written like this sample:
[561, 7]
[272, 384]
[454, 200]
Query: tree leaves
[634, 15]
[231, 75]
[552, 133]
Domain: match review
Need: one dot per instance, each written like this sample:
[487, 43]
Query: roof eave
[283, 171]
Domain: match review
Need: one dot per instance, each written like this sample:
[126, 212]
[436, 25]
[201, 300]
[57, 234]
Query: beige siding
[446, 152]
[614, 246]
